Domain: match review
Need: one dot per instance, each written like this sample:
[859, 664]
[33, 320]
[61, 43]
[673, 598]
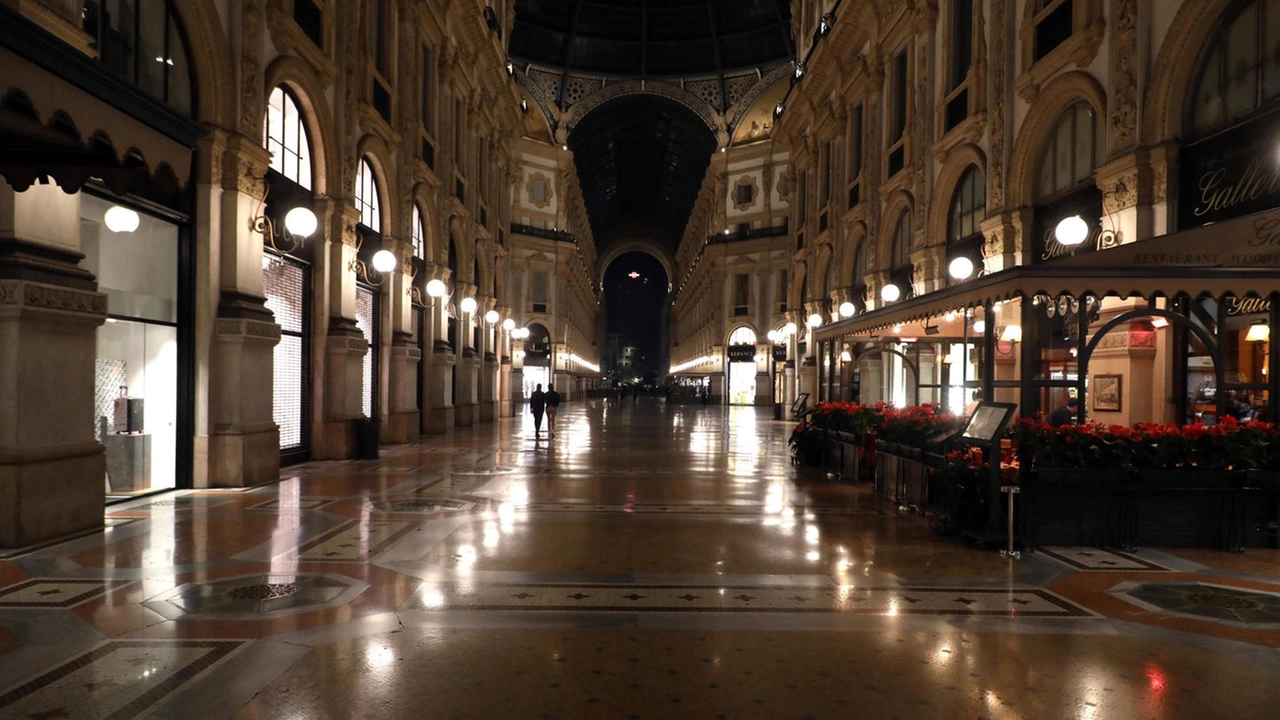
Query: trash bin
[367, 437]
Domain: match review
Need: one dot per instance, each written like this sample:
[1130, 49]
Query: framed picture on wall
[1106, 392]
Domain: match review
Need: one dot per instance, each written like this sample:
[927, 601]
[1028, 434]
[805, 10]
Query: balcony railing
[544, 233]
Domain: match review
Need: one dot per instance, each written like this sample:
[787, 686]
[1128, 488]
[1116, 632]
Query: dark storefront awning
[1238, 257]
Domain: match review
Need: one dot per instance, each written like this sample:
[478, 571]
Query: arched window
[1241, 70]
[1070, 154]
[742, 336]
[285, 136]
[142, 43]
[419, 235]
[968, 206]
[860, 264]
[901, 254]
[367, 200]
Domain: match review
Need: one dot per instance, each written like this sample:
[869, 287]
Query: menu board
[987, 421]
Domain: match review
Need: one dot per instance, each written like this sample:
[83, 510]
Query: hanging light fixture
[1259, 332]
[1012, 333]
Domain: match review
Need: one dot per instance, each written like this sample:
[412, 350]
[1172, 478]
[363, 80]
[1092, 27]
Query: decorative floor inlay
[294, 504]
[1022, 602]
[1097, 559]
[357, 541]
[683, 508]
[118, 679]
[55, 592]
[420, 505]
[108, 523]
[181, 503]
[1205, 601]
[257, 595]
[483, 470]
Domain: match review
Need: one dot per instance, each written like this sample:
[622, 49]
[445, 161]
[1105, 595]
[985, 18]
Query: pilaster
[1006, 239]
[344, 346]
[52, 467]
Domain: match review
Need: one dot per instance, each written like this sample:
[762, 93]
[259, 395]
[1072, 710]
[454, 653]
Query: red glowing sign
[633, 274]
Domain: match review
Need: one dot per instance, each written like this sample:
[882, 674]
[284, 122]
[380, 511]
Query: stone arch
[899, 201]
[1164, 105]
[959, 160]
[795, 288]
[616, 90]
[824, 255]
[854, 236]
[457, 235]
[649, 247]
[483, 264]
[738, 325]
[210, 61]
[309, 93]
[375, 149]
[1056, 96]
[421, 197]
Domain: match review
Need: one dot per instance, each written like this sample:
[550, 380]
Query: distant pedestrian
[553, 405]
[635, 394]
[537, 404]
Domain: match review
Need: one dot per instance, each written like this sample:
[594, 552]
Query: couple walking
[548, 401]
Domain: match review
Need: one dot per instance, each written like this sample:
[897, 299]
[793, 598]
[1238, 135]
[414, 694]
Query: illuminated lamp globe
[492, 317]
[961, 268]
[774, 336]
[815, 320]
[1071, 230]
[508, 324]
[890, 293]
[1258, 332]
[520, 334]
[847, 309]
[384, 261]
[436, 288]
[1012, 333]
[468, 305]
[121, 219]
[300, 221]
[979, 327]
[789, 329]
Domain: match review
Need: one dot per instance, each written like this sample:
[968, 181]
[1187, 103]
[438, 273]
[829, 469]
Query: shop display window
[136, 383]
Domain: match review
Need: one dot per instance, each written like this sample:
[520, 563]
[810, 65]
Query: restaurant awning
[1238, 257]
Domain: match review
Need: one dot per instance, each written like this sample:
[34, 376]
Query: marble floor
[647, 562]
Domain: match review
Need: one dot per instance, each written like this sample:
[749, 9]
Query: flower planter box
[1183, 508]
[1256, 512]
[1078, 507]
[902, 475]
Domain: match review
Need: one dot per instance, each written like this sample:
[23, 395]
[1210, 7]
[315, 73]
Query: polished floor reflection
[647, 562]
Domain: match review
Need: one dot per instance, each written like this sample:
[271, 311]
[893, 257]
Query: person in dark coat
[553, 405]
[537, 405]
[1064, 415]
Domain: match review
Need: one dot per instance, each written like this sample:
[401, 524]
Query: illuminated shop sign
[742, 353]
[1231, 174]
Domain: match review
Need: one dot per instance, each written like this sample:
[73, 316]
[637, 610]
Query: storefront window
[136, 379]
[366, 307]
[284, 281]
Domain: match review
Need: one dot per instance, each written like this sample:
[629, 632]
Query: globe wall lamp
[520, 333]
[492, 317]
[890, 293]
[815, 320]
[1071, 230]
[789, 329]
[961, 268]
[121, 219]
[508, 324]
[979, 327]
[299, 224]
[383, 262]
[775, 337]
[847, 309]
[468, 305]
[436, 288]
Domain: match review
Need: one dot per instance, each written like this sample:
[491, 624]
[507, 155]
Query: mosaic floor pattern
[648, 562]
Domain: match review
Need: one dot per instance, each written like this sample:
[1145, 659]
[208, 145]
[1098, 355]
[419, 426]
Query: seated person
[1064, 415]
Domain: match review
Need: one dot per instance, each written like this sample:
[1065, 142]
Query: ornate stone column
[244, 441]
[505, 374]
[488, 360]
[468, 361]
[1007, 240]
[437, 366]
[928, 269]
[402, 415]
[345, 346]
[52, 468]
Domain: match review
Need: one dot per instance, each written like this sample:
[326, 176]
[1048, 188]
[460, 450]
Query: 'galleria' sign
[1232, 174]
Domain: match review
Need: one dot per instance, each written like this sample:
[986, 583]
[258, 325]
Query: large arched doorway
[537, 359]
[742, 366]
[636, 331]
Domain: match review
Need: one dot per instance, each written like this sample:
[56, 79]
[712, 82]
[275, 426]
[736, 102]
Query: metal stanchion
[1010, 491]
